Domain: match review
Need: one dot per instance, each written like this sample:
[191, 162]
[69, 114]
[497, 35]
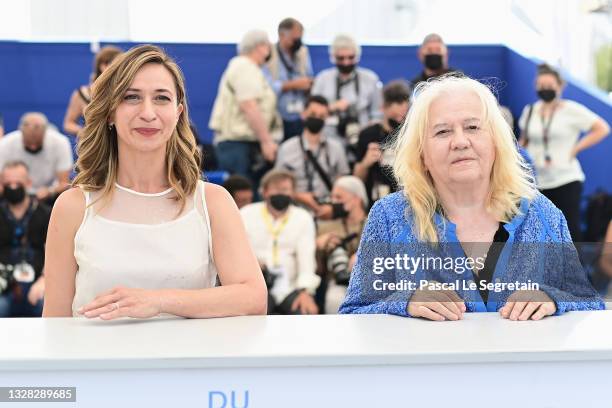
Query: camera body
[6, 277]
[338, 261]
[21, 272]
[348, 124]
[337, 264]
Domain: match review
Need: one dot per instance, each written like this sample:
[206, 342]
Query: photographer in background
[290, 70]
[23, 231]
[354, 93]
[244, 117]
[46, 152]
[338, 240]
[433, 54]
[374, 162]
[314, 159]
[283, 238]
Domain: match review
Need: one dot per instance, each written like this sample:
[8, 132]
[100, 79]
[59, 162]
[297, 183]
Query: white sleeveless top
[140, 240]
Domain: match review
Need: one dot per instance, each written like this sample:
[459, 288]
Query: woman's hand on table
[124, 302]
[528, 304]
[436, 305]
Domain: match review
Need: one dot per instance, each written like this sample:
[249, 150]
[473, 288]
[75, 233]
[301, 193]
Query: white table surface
[299, 341]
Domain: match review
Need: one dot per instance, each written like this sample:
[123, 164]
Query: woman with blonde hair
[81, 96]
[469, 231]
[141, 234]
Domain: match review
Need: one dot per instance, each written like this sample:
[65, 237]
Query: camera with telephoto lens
[348, 124]
[338, 261]
[6, 277]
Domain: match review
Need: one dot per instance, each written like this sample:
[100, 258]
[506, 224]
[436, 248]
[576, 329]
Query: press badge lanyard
[545, 133]
[289, 67]
[275, 232]
[291, 71]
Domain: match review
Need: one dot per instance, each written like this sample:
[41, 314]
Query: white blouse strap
[206, 215]
[196, 194]
[87, 195]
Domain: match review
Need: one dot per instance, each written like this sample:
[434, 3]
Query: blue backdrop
[41, 77]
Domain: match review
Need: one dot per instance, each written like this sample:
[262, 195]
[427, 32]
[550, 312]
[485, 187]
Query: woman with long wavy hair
[140, 234]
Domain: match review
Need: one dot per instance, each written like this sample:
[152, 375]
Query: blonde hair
[510, 178]
[98, 157]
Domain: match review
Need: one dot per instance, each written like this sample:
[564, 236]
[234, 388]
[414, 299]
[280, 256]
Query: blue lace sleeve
[364, 293]
[567, 283]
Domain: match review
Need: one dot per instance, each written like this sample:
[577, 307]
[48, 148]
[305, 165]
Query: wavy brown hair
[98, 157]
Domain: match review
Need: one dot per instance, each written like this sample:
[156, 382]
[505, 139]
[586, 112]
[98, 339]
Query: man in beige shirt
[244, 112]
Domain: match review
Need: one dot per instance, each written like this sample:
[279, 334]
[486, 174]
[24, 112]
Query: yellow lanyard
[275, 232]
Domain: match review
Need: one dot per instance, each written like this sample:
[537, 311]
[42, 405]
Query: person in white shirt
[550, 130]
[46, 152]
[283, 238]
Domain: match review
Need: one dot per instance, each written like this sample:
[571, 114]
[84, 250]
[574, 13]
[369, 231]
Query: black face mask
[314, 125]
[33, 151]
[345, 69]
[297, 44]
[393, 124]
[14, 195]
[280, 202]
[338, 211]
[433, 61]
[547, 95]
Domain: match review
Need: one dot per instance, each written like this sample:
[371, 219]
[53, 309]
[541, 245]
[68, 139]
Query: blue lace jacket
[539, 249]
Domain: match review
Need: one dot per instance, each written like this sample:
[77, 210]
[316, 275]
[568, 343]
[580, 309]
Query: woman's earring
[111, 126]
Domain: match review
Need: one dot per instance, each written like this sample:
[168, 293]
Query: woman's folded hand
[436, 305]
[528, 304]
[124, 302]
